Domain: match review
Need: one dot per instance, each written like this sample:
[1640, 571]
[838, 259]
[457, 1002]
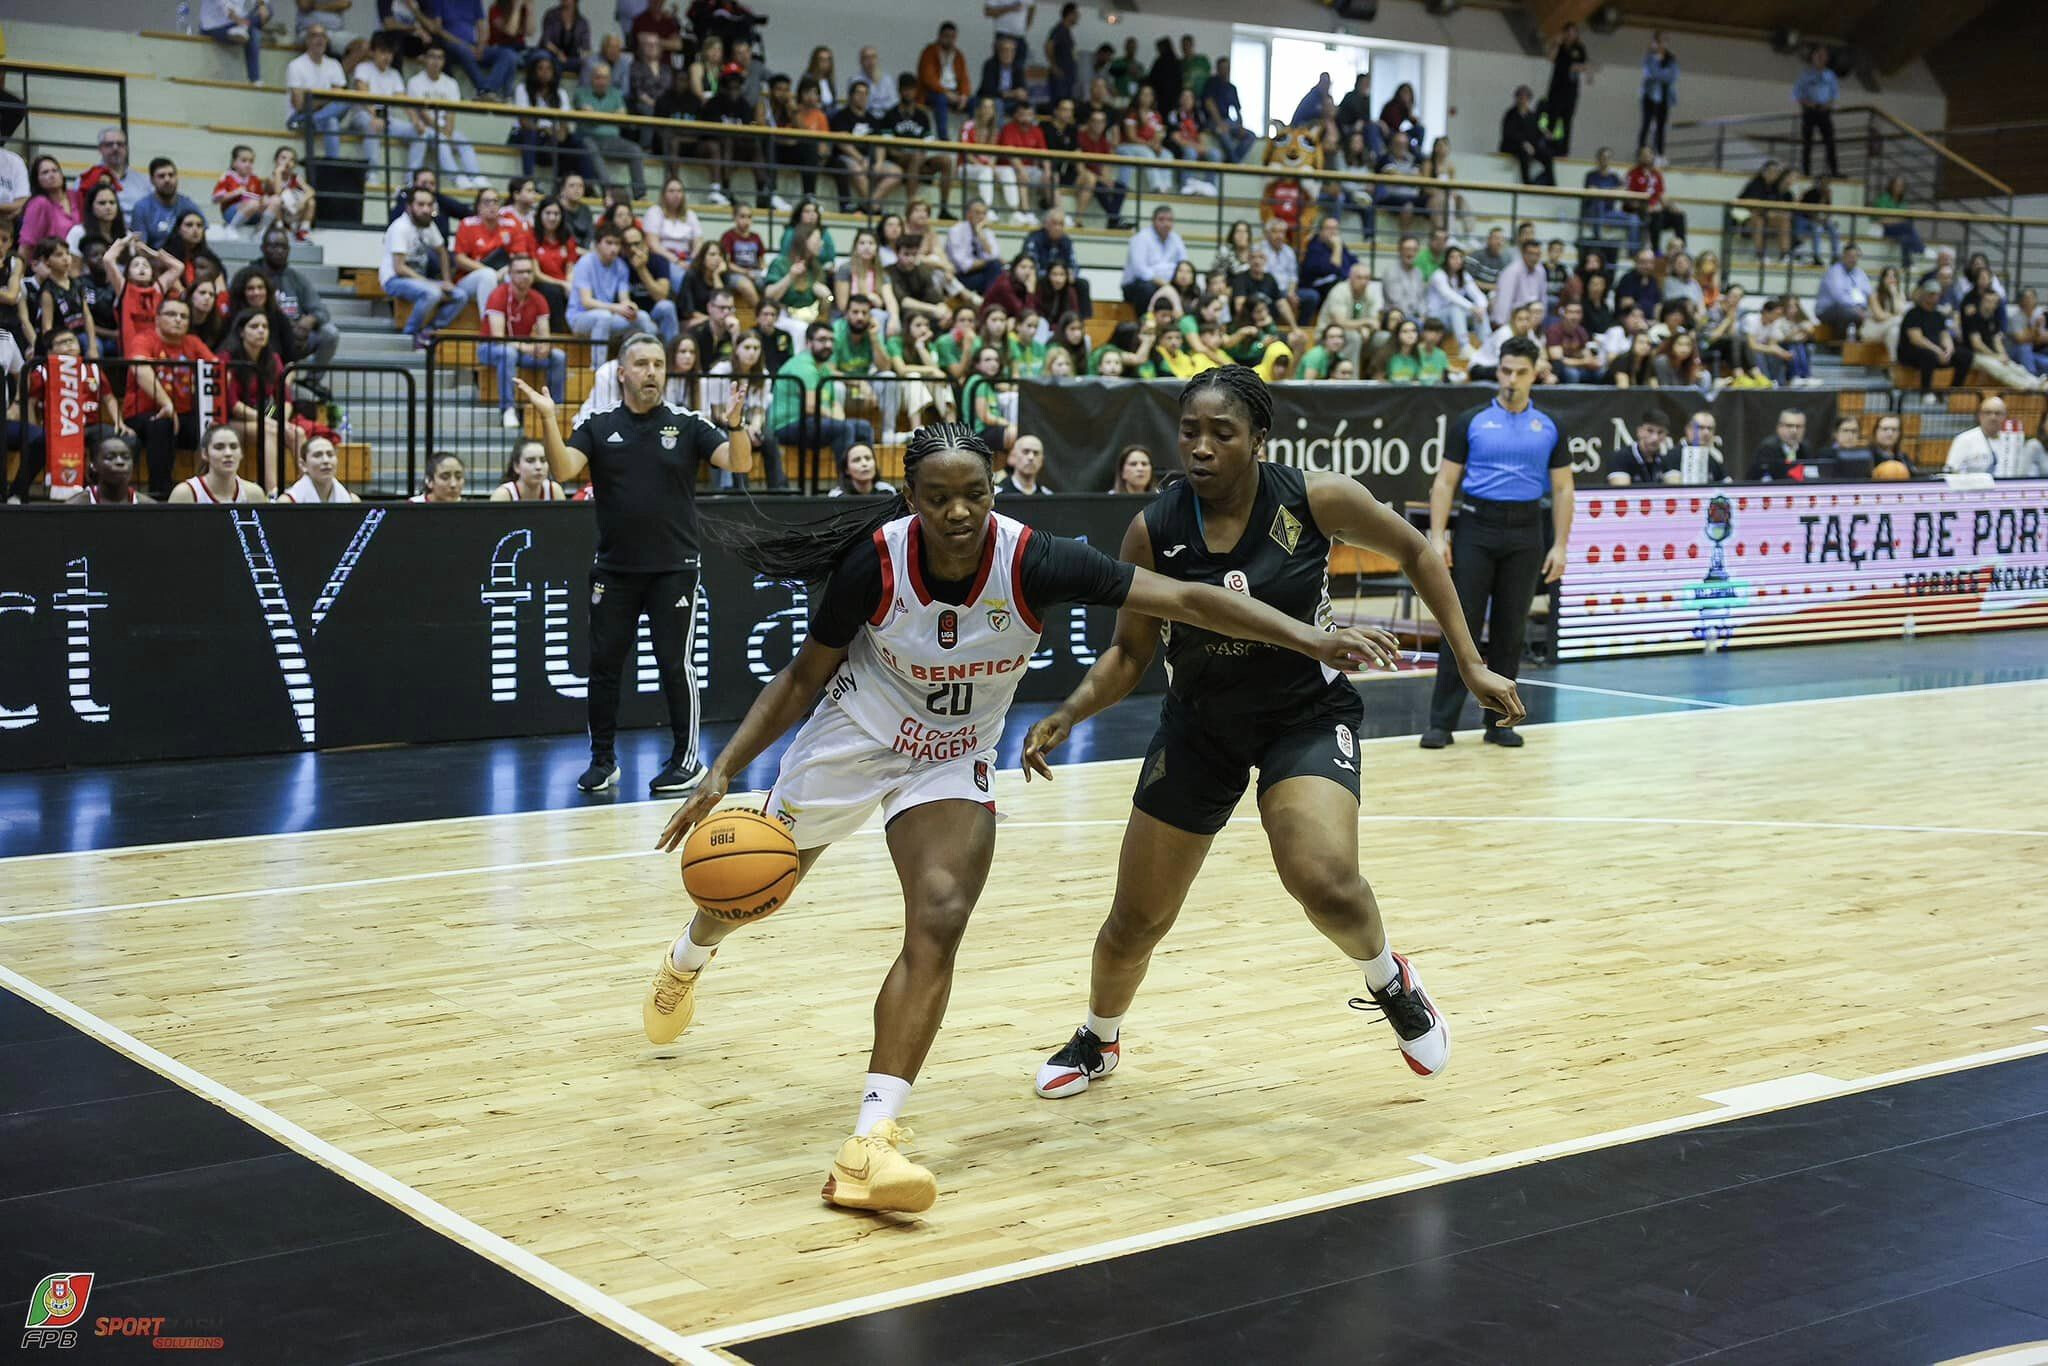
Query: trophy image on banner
[1716, 595]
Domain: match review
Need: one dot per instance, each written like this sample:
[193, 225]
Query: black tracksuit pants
[1496, 561]
[617, 602]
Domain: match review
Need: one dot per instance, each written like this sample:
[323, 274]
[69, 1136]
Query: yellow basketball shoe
[671, 1000]
[869, 1173]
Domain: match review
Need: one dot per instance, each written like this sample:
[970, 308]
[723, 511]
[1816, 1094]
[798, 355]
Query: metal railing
[52, 90]
[466, 402]
[370, 412]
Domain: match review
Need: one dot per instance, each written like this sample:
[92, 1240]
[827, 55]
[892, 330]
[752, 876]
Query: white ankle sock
[688, 955]
[881, 1097]
[1105, 1027]
[1381, 970]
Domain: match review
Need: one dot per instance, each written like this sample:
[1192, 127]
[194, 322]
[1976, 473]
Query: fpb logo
[60, 1300]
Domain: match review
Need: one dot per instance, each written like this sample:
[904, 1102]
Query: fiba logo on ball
[739, 865]
[1236, 582]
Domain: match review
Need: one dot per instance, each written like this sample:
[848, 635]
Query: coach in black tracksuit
[643, 458]
[1498, 463]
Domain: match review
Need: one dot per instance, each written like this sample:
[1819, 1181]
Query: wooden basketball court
[1635, 924]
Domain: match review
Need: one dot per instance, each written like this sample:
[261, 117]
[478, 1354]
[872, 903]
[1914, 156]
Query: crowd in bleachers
[921, 311]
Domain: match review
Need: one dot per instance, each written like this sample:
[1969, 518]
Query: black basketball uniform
[1235, 705]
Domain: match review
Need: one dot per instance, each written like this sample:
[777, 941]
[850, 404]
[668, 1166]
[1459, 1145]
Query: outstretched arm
[565, 462]
[1113, 674]
[1347, 512]
[780, 705]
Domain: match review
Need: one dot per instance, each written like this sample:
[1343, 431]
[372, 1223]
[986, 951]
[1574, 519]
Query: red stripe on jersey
[1017, 582]
[888, 578]
[988, 560]
[913, 552]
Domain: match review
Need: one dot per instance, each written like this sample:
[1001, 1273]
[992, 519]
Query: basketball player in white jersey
[526, 477]
[316, 482]
[220, 456]
[919, 639]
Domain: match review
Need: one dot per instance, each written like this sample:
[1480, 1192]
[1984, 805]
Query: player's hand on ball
[1496, 693]
[702, 803]
[1045, 737]
[1353, 646]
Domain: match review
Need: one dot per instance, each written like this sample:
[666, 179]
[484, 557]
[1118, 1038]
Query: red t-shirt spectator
[520, 316]
[662, 25]
[1147, 128]
[972, 134]
[477, 239]
[744, 252]
[236, 192]
[501, 30]
[556, 259]
[1104, 145]
[1015, 134]
[258, 384]
[139, 304]
[180, 380]
[1647, 180]
[518, 232]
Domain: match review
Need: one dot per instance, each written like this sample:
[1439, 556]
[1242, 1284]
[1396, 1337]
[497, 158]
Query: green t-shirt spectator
[948, 350]
[850, 358]
[787, 409]
[1424, 367]
[1426, 262]
[1146, 371]
[977, 390]
[1027, 359]
[1253, 349]
[1436, 366]
[613, 102]
[1194, 73]
[1318, 363]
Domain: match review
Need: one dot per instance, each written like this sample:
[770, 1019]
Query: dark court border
[182, 1210]
[1907, 1224]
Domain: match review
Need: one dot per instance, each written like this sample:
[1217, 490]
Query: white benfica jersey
[929, 679]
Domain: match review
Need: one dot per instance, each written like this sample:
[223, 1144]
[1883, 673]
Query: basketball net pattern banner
[1391, 438]
[329, 626]
[1704, 568]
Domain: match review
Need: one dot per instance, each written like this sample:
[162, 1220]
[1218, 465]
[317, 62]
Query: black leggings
[26, 438]
[617, 601]
[1654, 115]
[1497, 558]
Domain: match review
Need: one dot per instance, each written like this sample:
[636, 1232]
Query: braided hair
[807, 552]
[1243, 386]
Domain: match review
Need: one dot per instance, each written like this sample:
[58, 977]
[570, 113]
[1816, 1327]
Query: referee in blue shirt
[1505, 455]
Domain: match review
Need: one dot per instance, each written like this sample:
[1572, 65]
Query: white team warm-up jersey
[930, 680]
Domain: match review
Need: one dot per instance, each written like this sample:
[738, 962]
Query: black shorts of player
[1195, 772]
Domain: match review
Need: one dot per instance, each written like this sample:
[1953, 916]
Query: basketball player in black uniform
[1232, 705]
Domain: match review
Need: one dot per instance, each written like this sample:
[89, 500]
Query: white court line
[1408, 818]
[556, 812]
[1623, 692]
[1778, 1091]
[1437, 1163]
[565, 1287]
[740, 1333]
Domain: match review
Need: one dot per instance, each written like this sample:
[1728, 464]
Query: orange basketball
[1891, 470]
[739, 865]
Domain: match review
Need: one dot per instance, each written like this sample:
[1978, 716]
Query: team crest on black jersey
[949, 629]
[669, 437]
[1286, 530]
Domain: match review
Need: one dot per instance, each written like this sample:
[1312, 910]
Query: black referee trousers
[617, 602]
[1496, 560]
